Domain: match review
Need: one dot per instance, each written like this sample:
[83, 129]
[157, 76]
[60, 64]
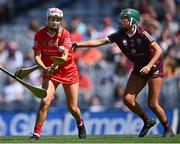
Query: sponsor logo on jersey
[138, 41]
[131, 41]
[44, 43]
[50, 43]
[133, 51]
[134, 54]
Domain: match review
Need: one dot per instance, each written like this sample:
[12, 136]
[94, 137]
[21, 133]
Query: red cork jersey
[48, 45]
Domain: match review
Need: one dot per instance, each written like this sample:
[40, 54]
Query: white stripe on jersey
[148, 36]
[67, 41]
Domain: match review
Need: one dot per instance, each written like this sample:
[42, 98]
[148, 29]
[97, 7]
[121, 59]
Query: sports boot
[168, 132]
[35, 136]
[147, 125]
[82, 131]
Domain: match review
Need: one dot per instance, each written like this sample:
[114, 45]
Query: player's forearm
[65, 52]
[157, 55]
[40, 63]
[92, 43]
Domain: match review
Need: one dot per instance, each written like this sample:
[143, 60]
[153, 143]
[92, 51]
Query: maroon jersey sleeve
[147, 37]
[112, 37]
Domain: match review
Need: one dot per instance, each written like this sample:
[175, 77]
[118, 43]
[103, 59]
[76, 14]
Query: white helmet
[54, 12]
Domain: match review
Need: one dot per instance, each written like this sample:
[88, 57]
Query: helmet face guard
[54, 13]
[132, 15]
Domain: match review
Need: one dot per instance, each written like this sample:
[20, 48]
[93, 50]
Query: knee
[152, 105]
[128, 100]
[46, 102]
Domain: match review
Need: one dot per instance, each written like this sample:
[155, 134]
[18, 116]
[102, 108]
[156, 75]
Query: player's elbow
[160, 51]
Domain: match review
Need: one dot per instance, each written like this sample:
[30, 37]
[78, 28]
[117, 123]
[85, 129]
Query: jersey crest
[138, 41]
[133, 51]
[124, 42]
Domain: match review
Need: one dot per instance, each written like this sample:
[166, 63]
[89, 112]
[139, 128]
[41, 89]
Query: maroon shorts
[154, 72]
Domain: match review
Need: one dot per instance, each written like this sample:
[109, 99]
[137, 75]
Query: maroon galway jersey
[135, 47]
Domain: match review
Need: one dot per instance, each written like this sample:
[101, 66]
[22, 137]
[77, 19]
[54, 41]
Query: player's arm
[37, 58]
[157, 53]
[66, 46]
[65, 52]
[38, 39]
[92, 43]
[155, 48]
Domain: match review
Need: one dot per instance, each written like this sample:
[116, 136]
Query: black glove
[74, 46]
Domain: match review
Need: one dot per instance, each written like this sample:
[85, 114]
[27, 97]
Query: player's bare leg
[154, 92]
[42, 111]
[134, 86]
[72, 100]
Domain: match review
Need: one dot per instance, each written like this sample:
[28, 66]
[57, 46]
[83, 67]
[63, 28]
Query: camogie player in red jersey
[54, 40]
[145, 53]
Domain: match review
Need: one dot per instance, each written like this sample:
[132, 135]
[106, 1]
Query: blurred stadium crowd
[103, 71]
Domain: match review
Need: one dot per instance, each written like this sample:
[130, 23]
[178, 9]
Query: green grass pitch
[92, 139]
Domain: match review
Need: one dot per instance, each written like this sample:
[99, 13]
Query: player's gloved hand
[54, 66]
[74, 46]
[145, 70]
[47, 70]
[50, 70]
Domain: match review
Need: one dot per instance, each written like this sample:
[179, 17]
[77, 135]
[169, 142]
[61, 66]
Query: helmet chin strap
[131, 21]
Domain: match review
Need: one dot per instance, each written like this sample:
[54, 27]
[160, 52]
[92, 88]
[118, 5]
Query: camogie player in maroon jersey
[145, 53]
[54, 40]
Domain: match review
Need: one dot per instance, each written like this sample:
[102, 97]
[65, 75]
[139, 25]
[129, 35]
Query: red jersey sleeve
[37, 42]
[66, 39]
